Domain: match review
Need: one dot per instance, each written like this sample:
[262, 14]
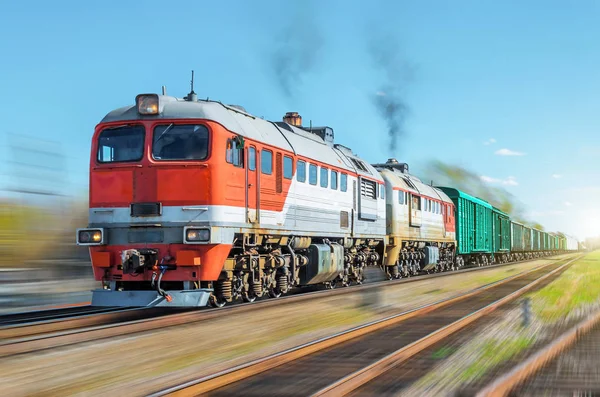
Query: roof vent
[238, 107]
[393, 164]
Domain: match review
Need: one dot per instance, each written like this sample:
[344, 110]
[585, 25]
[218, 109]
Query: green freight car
[501, 240]
[474, 228]
[522, 241]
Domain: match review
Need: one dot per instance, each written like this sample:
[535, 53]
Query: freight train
[195, 202]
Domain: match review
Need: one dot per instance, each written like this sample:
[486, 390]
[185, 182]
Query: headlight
[90, 236]
[147, 103]
[197, 235]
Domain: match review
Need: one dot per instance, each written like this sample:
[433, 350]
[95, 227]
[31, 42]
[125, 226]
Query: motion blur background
[499, 100]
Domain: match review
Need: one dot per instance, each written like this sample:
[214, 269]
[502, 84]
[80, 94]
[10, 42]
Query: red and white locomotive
[194, 201]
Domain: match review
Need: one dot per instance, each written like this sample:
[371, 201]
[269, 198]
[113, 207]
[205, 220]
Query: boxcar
[474, 232]
[535, 240]
[524, 241]
[501, 240]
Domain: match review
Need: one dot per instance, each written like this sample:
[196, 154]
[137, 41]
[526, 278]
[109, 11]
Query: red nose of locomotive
[151, 208]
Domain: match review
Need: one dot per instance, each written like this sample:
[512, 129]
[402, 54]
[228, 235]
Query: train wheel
[216, 301]
[274, 292]
[248, 297]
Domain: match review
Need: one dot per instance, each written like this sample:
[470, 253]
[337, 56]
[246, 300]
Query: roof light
[147, 103]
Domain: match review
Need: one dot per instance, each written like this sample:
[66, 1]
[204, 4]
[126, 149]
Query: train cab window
[234, 153]
[182, 142]
[382, 191]
[301, 171]
[288, 167]
[400, 197]
[334, 179]
[121, 144]
[266, 162]
[343, 182]
[324, 177]
[312, 174]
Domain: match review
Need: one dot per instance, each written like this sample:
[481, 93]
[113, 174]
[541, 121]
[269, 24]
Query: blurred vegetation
[575, 288]
[33, 232]
[460, 178]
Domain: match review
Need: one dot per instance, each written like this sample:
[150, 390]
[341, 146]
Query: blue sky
[525, 75]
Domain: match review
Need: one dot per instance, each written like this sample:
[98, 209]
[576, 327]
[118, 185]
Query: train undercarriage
[267, 265]
[418, 256]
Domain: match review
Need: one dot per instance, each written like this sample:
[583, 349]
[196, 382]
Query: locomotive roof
[281, 135]
[412, 184]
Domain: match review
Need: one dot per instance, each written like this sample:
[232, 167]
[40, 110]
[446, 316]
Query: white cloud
[510, 181]
[508, 152]
[568, 204]
[488, 179]
[381, 93]
[490, 141]
[556, 176]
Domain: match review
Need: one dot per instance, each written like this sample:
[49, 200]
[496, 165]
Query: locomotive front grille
[146, 209]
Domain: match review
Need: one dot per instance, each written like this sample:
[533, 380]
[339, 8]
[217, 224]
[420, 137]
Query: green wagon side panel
[535, 239]
[501, 230]
[474, 223]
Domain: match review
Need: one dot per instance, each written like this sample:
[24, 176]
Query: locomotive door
[415, 211]
[252, 186]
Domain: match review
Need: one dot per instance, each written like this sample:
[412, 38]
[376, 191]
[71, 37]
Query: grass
[443, 352]
[494, 352]
[576, 287]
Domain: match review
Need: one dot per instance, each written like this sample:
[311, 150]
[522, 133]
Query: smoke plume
[296, 50]
[395, 74]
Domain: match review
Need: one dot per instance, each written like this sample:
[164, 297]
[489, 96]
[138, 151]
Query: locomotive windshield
[121, 144]
[180, 142]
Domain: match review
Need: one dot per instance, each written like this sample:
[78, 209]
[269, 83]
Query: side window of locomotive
[266, 162]
[400, 197]
[382, 192]
[288, 167]
[121, 144]
[301, 171]
[251, 158]
[344, 182]
[312, 174]
[324, 177]
[235, 153]
[334, 179]
[180, 142]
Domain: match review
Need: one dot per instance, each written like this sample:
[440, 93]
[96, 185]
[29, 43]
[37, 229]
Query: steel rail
[367, 374]
[77, 320]
[244, 371]
[64, 337]
[504, 384]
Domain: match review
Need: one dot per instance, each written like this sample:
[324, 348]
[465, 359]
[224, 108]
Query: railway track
[568, 366]
[49, 314]
[55, 332]
[346, 362]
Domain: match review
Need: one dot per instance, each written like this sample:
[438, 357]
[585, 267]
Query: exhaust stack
[293, 118]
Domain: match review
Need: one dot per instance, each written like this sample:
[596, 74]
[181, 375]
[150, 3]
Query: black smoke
[297, 48]
[395, 74]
